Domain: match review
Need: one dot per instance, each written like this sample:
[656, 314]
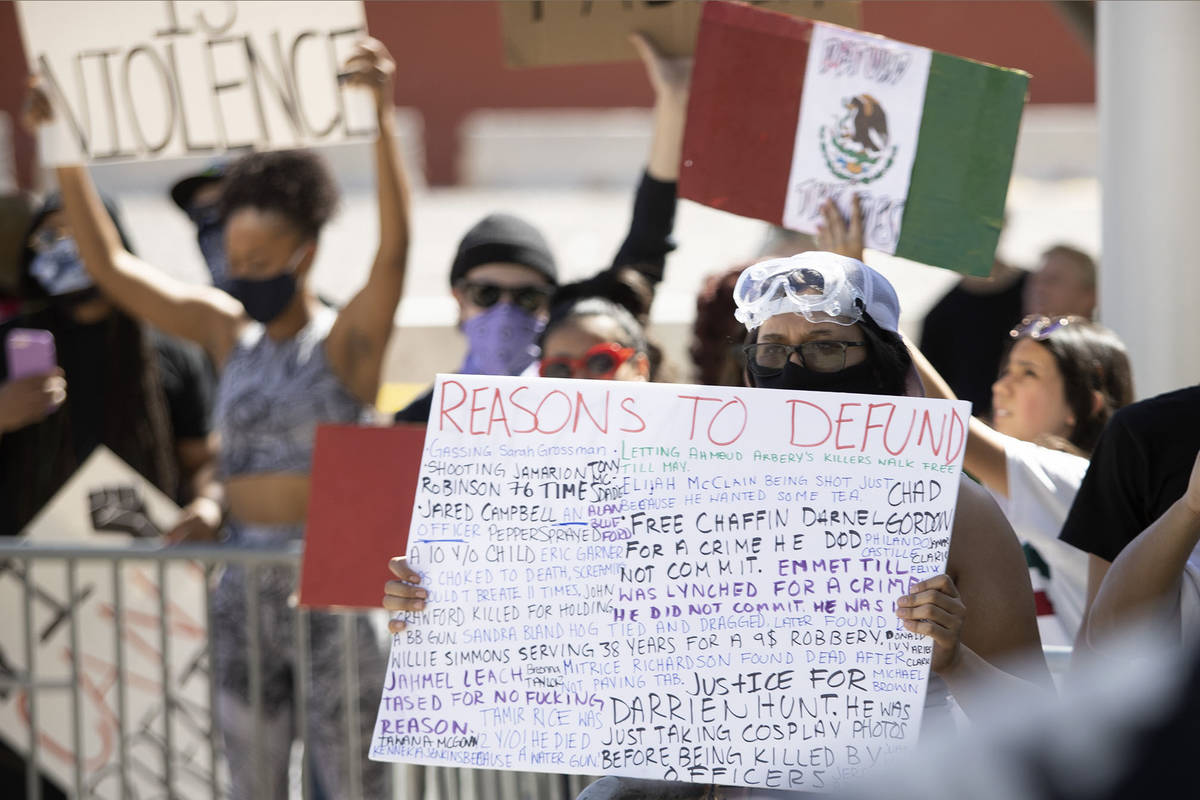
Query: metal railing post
[76, 700]
[33, 784]
[119, 662]
[165, 639]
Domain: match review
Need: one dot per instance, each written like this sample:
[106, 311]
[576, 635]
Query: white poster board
[106, 484]
[667, 581]
[171, 78]
[860, 118]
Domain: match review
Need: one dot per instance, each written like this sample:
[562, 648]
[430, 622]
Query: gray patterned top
[271, 397]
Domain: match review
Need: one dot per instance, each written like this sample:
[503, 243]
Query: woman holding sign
[822, 322]
[287, 364]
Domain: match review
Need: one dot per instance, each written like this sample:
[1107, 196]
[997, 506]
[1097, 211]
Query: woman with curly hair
[286, 365]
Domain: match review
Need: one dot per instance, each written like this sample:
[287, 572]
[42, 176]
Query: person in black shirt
[1140, 469]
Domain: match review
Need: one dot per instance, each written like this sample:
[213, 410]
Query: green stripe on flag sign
[955, 205]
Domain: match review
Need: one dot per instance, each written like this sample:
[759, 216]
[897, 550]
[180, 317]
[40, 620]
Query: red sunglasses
[600, 362]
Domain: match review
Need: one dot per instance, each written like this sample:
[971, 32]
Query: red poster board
[359, 509]
[746, 88]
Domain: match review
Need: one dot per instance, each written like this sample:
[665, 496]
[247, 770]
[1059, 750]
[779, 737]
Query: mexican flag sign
[786, 113]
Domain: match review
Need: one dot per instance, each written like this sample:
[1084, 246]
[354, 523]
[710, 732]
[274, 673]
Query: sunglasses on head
[1039, 327]
[486, 295]
[600, 362]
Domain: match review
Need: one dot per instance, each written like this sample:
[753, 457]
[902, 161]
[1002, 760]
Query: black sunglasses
[486, 295]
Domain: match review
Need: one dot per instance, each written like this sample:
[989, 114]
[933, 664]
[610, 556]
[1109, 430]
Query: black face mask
[266, 299]
[859, 379]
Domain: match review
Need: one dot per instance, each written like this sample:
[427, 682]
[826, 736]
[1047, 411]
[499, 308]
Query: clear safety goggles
[821, 291]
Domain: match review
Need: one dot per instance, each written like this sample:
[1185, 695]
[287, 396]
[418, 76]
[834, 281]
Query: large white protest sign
[860, 118]
[671, 582]
[170, 78]
[102, 502]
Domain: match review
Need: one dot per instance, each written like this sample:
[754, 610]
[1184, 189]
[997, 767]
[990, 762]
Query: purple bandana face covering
[501, 341]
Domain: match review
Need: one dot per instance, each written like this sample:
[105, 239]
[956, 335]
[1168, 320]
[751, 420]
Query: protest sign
[787, 113]
[122, 710]
[581, 32]
[359, 509]
[164, 79]
[672, 582]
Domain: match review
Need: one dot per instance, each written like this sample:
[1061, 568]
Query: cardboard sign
[99, 505]
[581, 32]
[671, 582]
[359, 511]
[785, 114]
[164, 79]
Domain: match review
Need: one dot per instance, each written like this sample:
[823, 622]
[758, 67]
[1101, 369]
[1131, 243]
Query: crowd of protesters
[1080, 506]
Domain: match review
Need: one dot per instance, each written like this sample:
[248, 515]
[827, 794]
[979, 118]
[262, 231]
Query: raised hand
[669, 77]
[838, 235]
[371, 67]
[36, 110]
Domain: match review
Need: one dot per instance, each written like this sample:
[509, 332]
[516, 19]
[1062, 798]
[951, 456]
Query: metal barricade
[121, 745]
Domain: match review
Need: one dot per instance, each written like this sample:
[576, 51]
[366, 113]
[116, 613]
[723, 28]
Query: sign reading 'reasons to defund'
[168, 78]
[670, 582]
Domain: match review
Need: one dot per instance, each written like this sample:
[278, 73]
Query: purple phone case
[29, 352]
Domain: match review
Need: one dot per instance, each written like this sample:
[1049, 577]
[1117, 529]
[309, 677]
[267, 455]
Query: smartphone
[29, 352]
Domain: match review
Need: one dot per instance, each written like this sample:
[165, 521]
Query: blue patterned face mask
[58, 268]
[501, 341]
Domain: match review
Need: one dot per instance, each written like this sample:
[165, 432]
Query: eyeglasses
[1038, 327]
[821, 356]
[600, 362]
[486, 295]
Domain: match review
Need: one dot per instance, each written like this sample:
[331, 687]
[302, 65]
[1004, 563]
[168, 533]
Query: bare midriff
[273, 498]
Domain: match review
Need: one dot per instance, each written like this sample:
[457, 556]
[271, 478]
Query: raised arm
[360, 335]
[202, 314]
[649, 239]
[1146, 578]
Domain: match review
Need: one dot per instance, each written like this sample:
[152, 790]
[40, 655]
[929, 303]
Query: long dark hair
[1092, 361]
[37, 460]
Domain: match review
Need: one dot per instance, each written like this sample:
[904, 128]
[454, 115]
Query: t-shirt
[1042, 484]
[1141, 466]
